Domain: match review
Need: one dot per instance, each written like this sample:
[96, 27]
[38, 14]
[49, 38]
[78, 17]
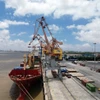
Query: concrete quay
[65, 89]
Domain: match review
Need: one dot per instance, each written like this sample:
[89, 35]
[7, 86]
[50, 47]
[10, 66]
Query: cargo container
[54, 73]
[63, 74]
[82, 64]
[68, 75]
[90, 87]
[84, 82]
[64, 70]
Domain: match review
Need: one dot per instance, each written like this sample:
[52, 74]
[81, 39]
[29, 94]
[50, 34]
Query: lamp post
[94, 54]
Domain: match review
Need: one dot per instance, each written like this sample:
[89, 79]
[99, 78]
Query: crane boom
[35, 33]
[52, 47]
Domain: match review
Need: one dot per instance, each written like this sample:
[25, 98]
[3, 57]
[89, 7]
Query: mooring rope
[24, 90]
[27, 91]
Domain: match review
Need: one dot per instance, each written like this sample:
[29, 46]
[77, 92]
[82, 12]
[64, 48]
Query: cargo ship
[27, 74]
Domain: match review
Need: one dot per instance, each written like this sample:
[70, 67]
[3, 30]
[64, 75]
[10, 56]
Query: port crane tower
[51, 47]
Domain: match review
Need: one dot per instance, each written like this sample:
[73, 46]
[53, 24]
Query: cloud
[29, 7]
[31, 36]
[4, 35]
[54, 28]
[77, 9]
[14, 34]
[15, 22]
[18, 34]
[7, 44]
[21, 33]
[14, 45]
[4, 25]
[7, 23]
[89, 32]
[71, 26]
[77, 47]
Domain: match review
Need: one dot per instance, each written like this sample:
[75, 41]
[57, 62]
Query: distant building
[74, 55]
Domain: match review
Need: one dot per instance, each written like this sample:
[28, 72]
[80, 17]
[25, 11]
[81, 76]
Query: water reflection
[36, 91]
[14, 91]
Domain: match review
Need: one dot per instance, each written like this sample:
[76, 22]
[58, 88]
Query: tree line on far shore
[92, 58]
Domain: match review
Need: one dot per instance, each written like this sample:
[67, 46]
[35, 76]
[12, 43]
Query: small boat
[26, 74]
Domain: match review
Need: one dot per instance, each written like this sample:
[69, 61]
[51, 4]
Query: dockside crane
[50, 48]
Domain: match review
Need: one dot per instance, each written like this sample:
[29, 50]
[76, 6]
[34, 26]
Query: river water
[8, 89]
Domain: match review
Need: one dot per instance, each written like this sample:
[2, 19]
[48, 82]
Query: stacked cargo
[77, 74]
[81, 64]
[64, 70]
[84, 82]
[85, 78]
[71, 70]
[54, 73]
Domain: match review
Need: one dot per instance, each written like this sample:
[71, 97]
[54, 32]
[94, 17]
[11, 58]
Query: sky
[74, 22]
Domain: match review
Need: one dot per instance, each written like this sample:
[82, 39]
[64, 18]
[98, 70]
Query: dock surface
[67, 89]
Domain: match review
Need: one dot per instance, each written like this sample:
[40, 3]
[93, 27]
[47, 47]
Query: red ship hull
[25, 78]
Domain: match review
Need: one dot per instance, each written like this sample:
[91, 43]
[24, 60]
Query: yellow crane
[50, 48]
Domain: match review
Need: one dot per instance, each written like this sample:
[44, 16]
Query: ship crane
[51, 48]
[44, 43]
[55, 50]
